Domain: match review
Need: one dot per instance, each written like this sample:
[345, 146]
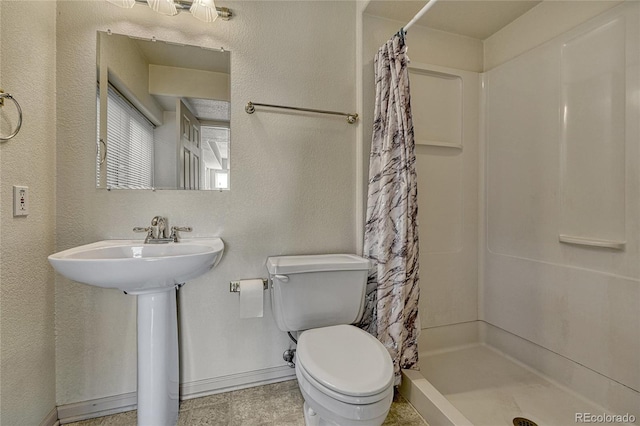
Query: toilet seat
[342, 412]
[345, 363]
[313, 386]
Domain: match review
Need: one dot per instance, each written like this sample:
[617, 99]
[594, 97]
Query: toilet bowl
[345, 376]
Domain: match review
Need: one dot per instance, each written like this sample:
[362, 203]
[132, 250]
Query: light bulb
[165, 7]
[127, 4]
[204, 10]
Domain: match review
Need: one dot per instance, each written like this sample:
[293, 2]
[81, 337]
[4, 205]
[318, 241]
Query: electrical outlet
[20, 200]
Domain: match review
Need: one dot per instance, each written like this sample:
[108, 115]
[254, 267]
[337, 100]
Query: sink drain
[521, 421]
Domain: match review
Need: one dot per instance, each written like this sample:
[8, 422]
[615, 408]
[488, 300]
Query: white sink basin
[132, 266]
[151, 273]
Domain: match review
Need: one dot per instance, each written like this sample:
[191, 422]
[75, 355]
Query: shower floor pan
[478, 385]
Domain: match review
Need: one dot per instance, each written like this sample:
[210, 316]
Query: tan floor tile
[294, 420]
[89, 422]
[190, 404]
[288, 404]
[277, 404]
[184, 418]
[248, 394]
[403, 413]
[210, 415]
[251, 411]
[127, 418]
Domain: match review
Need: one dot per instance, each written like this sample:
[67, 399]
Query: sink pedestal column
[158, 375]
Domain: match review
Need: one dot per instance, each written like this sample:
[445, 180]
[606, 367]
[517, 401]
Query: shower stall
[528, 149]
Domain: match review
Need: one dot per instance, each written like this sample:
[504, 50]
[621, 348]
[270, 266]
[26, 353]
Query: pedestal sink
[152, 273]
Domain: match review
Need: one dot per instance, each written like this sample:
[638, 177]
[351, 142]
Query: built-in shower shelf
[436, 105]
[439, 143]
[592, 242]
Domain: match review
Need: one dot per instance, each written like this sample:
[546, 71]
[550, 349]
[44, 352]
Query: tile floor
[278, 404]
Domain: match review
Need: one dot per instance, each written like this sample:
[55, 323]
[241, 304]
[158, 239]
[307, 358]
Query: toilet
[345, 374]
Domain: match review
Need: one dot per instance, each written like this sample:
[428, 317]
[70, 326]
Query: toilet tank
[312, 291]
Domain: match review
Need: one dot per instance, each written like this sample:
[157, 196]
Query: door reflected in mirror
[163, 115]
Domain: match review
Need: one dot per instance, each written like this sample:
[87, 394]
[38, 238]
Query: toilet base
[317, 414]
[311, 418]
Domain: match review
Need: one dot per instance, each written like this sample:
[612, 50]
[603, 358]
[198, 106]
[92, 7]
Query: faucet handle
[175, 229]
[148, 230]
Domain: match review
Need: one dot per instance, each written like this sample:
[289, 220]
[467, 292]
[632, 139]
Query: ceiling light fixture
[164, 7]
[204, 10]
[127, 4]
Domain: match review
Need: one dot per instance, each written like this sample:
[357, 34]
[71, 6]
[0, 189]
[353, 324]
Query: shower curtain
[391, 232]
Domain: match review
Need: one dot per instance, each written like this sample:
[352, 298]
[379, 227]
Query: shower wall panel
[562, 151]
[592, 142]
[444, 104]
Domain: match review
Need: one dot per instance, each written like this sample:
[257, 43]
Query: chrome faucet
[157, 232]
[159, 227]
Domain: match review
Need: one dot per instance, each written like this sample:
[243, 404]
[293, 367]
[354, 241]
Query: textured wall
[27, 367]
[292, 184]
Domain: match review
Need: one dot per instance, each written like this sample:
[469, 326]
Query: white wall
[292, 185]
[27, 351]
[547, 20]
[186, 82]
[128, 70]
[165, 172]
[579, 302]
[447, 177]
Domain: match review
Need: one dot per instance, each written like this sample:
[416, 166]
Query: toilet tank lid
[316, 263]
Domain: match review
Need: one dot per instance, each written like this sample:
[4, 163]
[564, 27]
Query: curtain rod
[419, 15]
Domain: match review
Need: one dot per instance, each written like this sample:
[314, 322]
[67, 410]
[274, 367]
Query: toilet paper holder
[234, 286]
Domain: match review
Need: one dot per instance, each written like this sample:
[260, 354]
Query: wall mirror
[163, 115]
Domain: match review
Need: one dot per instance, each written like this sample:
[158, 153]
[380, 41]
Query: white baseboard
[78, 411]
[126, 402]
[237, 381]
[51, 419]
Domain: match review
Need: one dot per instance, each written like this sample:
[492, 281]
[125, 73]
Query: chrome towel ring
[15, 132]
